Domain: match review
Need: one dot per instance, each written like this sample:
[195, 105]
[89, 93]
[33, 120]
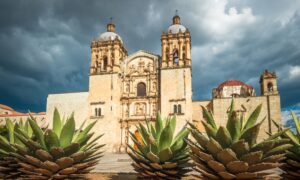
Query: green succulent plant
[292, 162]
[232, 152]
[8, 164]
[158, 153]
[58, 153]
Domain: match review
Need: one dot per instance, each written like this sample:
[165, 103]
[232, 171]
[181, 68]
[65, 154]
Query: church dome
[233, 88]
[176, 27]
[233, 83]
[110, 35]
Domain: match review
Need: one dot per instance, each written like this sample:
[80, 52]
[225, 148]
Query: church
[125, 89]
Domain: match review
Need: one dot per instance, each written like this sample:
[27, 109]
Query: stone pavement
[118, 166]
[114, 163]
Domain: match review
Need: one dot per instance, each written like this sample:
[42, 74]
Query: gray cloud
[44, 45]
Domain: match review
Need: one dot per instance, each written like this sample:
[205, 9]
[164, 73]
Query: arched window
[175, 109]
[105, 62]
[141, 89]
[270, 87]
[179, 109]
[175, 56]
[183, 56]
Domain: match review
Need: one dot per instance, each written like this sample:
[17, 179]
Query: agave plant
[160, 154]
[232, 152]
[292, 163]
[9, 164]
[58, 153]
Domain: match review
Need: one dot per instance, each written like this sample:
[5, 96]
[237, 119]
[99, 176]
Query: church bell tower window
[105, 63]
[175, 56]
[270, 87]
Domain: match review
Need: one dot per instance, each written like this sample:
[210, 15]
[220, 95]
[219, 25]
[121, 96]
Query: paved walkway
[114, 163]
[118, 166]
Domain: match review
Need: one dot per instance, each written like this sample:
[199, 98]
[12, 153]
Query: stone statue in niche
[140, 109]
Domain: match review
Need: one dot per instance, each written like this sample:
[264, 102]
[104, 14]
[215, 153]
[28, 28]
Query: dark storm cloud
[44, 45]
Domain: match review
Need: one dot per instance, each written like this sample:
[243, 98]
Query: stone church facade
[127, 89]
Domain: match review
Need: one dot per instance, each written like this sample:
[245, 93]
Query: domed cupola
[233, 88]
[107, 52]
[110, 35]
[176, 27]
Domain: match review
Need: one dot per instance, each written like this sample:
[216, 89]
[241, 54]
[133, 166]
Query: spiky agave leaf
[8, 163]
[160, 154]
[292, 163]
[59, 153]
[232, 152]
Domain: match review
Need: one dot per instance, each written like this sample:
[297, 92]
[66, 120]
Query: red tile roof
[2, 106]
[16, 113]
[233, 83]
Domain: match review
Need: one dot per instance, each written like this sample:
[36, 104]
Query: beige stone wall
[197, 112]
[67, 103]
[104, 91]
[220, 109]
[176, 88]
[275, 111]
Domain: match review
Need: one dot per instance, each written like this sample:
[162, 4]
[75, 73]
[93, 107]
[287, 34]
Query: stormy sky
[45, 45]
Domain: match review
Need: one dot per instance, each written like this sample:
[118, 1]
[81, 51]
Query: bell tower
[107, 52]
[268, 83]
[176, 72]
[176, 45]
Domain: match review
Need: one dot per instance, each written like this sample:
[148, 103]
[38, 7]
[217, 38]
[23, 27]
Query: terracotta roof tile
[6, 107]
[233, 83]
